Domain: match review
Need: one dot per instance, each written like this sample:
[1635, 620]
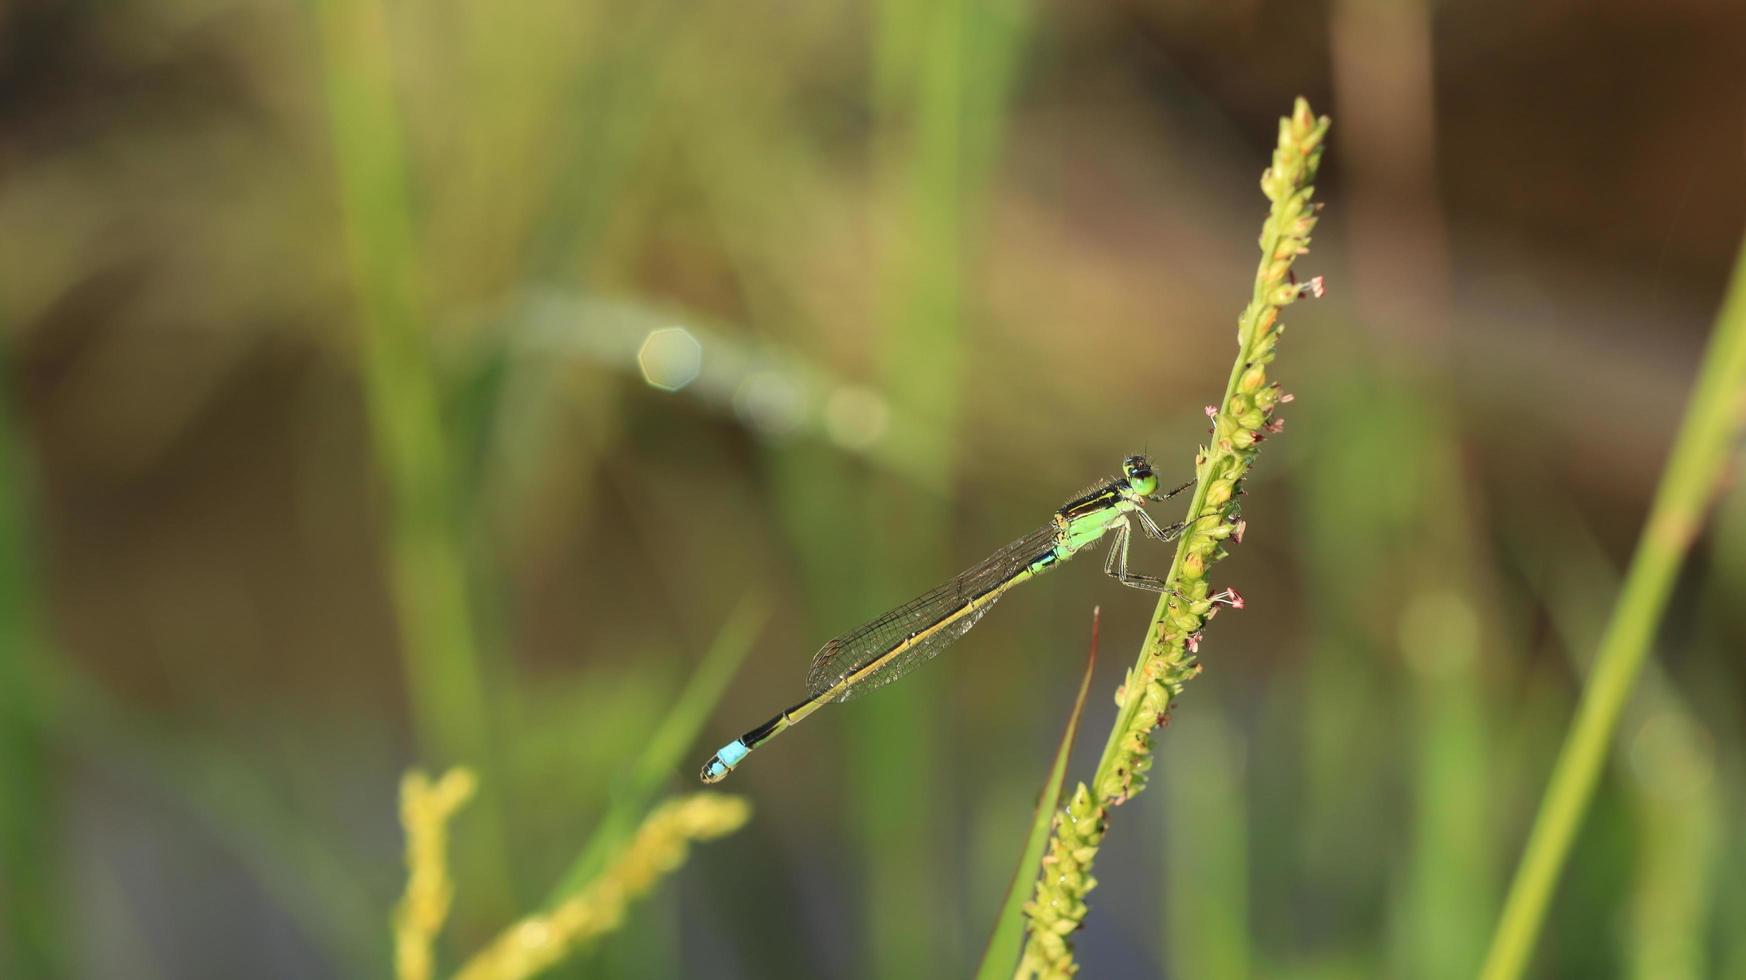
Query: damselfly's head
[1141, 479]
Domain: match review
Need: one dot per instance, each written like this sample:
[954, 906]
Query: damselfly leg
[1116, 565]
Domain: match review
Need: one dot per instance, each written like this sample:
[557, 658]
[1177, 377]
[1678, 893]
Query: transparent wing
[865, 644]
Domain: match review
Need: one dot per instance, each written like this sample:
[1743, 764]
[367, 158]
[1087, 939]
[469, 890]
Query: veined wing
[923, 626]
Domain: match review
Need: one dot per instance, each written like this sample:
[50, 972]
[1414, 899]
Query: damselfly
[888, 647]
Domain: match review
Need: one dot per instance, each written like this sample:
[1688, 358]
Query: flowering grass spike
[543, 939]
[1240, 422]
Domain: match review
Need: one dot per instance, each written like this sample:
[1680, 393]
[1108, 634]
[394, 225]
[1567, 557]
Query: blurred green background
[394, 384]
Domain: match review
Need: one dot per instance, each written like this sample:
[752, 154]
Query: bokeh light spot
[670, 358]
[771, 402]
[857, 417]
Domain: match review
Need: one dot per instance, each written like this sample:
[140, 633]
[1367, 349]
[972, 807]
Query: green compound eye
[1140, 476]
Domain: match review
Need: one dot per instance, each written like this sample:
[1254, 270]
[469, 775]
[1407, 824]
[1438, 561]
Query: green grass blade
[667, 745]
[1666, 774]
[403, 400]
[1001, 956]
[922, 74]
[321, 886]
[1701, 451]
[402, 394]
[31, 932]
[1205, 929]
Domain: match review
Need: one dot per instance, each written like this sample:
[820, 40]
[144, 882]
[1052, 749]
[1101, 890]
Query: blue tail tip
[716, 769]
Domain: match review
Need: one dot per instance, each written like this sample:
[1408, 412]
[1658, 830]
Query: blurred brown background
[329, 452]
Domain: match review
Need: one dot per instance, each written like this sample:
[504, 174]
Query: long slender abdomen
[931, 625]
[735, 752]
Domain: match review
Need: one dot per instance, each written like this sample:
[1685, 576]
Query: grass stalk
[30, 930]
[426, 808]
[665, 748]
[1447, 891]
[1000, 957]
[400, 387]
[920, 344]
[1243, 417]
[658, 848]
[1206, 927]
[941, 76]
[403, 403]
[1705, 443]
[539, 941]
[1669, 777]
[298, 866]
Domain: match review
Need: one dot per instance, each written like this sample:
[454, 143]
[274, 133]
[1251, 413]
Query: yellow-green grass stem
[665, 747]
[403, 404]
[941, 76]
[401, 390]
[1663, 758]
[1205, 929]
[1705, 442]
[31, 934]
[917, 103]
[426, 807]
[1241, 420]
[659, 847]
[1000, 956]
[1243, 412]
